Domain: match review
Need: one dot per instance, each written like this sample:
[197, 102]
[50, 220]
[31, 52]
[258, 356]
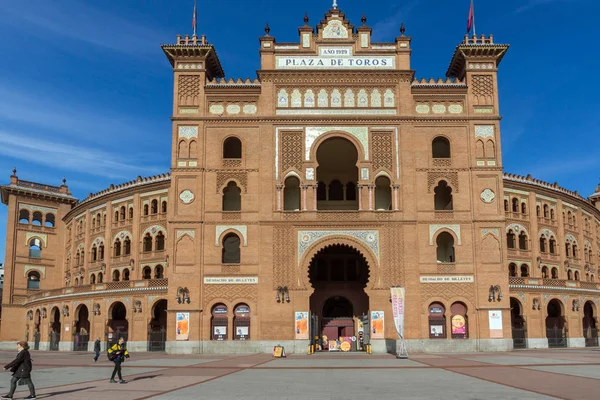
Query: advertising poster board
[183, 326]
[301, 326]
[459, 326]
[377, 324]
[495, 318]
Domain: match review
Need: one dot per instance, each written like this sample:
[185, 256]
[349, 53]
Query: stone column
[279, 187]
[371, 187]
[359, 187]
[396, 188]
[304, 190]
[315, 187]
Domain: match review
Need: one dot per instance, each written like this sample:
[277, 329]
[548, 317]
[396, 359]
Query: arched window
[568, 249]
[241, 322]
[383, 193]
[37, 218]
[159, 272]
[35, 248]
[232, 148]
[100, 276]
[512, 269]
[538, 211]
[116, 215]
[164, 207]
[575, 251]
[336, 190]
[350, 191]
[50, 220]
[94, 253]
[147, 242]
[77, 256]
[291, 194]
[570, 218]
[82, 259]
[231, 249]
[154, 207]
[511, 241]
[93, 223]
[126, 274]
[98, 219]
[127, 246]
[479, 151]
[545, 272]
[122, 216]
[117, 247]
[445, 248]
[159, 241]
[33, 280]
[545, 210]
[92, 279]
[552, 245]
[460, 326]
[103, 219]
[543, 247]
[145, 209]
[437, 321]
[523, 208]
[552, 214]
[440, 147]
[554, 273]
[130, 213]
[443, 196]
[506, 205]
[24, 216]
[232, 199]
[515, 205]
[569, 275]
[576, 275]
[116, 275]
[321, 191]
[522, 241]
[76, 281]
[218, 322]
[524, 271]
[147, 273]
[101, 252]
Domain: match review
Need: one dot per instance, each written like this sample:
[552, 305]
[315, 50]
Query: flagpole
[472, 5]
[194, 18]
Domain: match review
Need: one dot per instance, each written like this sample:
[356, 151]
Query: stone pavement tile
[385, 384]
[69, 375]
[584, 371]
[241, 361]
[174, 362]
[193, 371]
[517, 360]
[561, 386]
[446, 361]
[339, 363]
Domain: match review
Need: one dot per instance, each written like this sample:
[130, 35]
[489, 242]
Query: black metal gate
[557, 337]
[156, 340]
[519, 336]
[80, 342]
[591, 337]
[36, 340]
[54, 339]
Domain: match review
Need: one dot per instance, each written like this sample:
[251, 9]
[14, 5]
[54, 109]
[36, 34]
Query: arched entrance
[337, 175]
[555, 325]
[517, 322]
[118, 325]
[54, 332]
[339, 305]
[157, 330]
[590, 326]
[81, 336]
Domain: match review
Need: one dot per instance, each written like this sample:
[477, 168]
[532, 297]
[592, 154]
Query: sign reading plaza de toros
[335, 57]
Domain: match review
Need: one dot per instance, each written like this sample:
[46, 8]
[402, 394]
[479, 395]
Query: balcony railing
[558, 283]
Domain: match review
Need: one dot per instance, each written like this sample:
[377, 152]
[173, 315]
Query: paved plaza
[535, 374]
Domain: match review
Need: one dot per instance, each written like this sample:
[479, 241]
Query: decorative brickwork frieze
[382, 150]
[189, 90]
[291, 151]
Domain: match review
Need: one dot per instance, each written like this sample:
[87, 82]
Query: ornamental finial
[64, 180]
[14, 171]
[402, 29]
[363, 19]
[267, 29]
[305, 18]
[334, 5]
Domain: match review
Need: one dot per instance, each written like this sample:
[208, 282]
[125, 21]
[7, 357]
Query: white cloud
[390, 26]
[75, 158]
[535, 3]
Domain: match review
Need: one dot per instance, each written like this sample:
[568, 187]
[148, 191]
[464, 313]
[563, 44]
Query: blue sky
[85, 91]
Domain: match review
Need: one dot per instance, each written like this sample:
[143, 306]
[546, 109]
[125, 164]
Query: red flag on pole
[194, 18]
[470, 20]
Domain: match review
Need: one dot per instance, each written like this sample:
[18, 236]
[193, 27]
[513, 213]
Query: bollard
[309, 353]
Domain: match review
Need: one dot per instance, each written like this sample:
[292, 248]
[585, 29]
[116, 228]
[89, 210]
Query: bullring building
[295, 200]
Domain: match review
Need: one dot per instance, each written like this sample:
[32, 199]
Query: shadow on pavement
[139, 378]
[52, 394]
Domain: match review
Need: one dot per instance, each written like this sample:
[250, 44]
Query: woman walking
[117, 354]
[97, 349]
[21, 369]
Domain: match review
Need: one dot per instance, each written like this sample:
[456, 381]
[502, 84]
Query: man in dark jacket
[97, 349]
[21, 369]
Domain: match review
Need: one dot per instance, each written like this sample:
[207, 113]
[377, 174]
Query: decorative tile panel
[517, 228]
[188, 132]
[361, 133]
[369, 237]
[487, 195]
[310, 174]
[242, 229]
[434, 228]
[484, 131]
[187, 232]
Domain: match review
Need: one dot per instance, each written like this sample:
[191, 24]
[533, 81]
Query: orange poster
[301, 325]
[183, 326]
[377, 324]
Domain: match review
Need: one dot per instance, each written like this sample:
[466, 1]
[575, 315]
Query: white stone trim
[125, 234]
[369, 237]
[338, 111]
[154, 192]
[434, 228]
[241, 229]
[518, 228]
[121, 200]
[521, 192]
[32, 207]
[159, 228]
[359, 132]
[38, 268]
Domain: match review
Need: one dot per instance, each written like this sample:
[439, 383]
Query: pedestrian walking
[117, 354]
[97, 349]
[21, 368]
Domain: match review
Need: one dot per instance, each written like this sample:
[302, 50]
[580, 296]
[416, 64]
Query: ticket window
[219, 322]
[241, 322]
[437, 321]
